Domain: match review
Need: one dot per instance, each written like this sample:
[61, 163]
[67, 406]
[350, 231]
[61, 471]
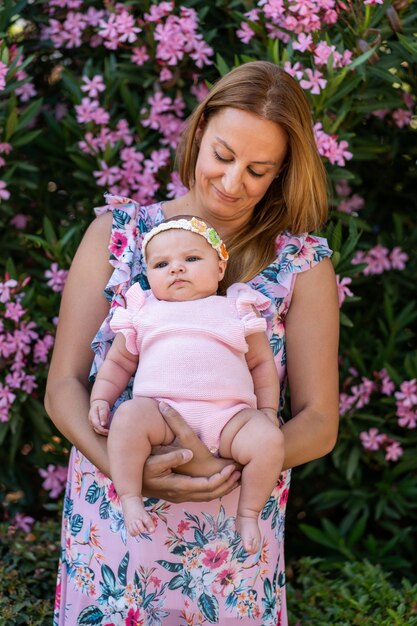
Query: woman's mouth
[224, 197]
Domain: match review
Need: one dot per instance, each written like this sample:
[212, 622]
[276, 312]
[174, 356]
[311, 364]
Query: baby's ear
[222, 268]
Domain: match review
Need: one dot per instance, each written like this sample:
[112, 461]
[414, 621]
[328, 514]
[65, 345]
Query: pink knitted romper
[192, 354]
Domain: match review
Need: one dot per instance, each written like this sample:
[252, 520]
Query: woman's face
[240, 155]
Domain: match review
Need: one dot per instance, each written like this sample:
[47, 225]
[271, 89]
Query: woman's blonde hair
[295, 201]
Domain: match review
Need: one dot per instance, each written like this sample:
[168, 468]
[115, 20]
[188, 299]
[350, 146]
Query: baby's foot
[137, 520]
[247, 527]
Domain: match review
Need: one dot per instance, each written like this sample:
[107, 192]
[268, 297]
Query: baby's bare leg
[136, 426]
[253, 440]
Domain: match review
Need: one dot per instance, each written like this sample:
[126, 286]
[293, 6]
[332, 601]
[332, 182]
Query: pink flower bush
[22, 347]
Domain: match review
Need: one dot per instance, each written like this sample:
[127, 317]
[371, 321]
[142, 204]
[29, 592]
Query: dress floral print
[193, 570]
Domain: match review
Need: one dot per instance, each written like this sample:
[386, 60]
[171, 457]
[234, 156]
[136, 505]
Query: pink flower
[93, 86]
[351, 205]
[107, 175]
[175, 188]
[6, 289]
[345, 403]
[402, 117]
[215, 555]
[57, 277]
[165, 75]
[26, 91]
[4, 194]
[3, 72]
[393, 451]
[23, 522]
[372, 440]
[201, 53]
[20, 221]
[158, 11]
[55, 479]
[6, 396]
[245, 33]
[303, 43]
[398, 258]
[5, 148]
[139, 54]
[408, 393]
[387, 386]
[342, 288]
[296, 70]
[228, 579]
[118, 243]
[14, 311]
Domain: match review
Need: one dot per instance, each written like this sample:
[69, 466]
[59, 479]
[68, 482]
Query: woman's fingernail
[163, 406]
[187, 455]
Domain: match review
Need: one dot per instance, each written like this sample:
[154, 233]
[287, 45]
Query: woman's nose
[232, 180]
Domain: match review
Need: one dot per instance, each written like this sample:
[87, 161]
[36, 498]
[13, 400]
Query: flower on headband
[198, 225]
[213, 237]
[223, 251]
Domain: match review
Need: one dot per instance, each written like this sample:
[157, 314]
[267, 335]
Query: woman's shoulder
[126, 210]
[300, 252]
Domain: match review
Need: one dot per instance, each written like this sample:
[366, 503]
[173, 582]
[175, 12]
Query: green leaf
[11, 124]
[221, 65]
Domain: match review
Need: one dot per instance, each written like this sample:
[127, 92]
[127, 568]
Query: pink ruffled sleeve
[123, 320]
[249, 303]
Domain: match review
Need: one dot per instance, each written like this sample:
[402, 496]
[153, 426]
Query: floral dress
[193, 570]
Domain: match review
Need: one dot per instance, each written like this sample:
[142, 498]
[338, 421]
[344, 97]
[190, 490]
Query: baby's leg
[136, 426]
[253, 440]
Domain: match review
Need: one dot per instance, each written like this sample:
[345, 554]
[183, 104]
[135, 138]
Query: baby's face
[182, 266]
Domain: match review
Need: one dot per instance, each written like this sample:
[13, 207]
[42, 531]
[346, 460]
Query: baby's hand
[99, 416]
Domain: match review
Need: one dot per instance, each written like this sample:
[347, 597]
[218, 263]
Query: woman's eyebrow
[226, 145]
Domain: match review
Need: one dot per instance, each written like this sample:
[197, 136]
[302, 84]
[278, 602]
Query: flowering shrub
[93, 97]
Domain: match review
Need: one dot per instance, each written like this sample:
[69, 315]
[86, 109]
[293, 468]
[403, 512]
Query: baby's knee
[137, 410]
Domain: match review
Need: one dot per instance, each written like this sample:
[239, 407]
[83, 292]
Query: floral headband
[195, 226]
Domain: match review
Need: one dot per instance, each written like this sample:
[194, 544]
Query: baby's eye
[161, 264]
[191, 259]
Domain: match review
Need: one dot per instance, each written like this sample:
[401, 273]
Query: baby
[207, 356]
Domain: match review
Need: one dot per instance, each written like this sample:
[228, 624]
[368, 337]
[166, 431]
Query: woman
[249, 160]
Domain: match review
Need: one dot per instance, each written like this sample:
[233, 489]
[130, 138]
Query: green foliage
[28, 574]
[357, 593]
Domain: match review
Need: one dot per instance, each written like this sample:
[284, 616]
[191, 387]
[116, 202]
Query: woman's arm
[312, 335]
[67, 398]
[261, 364]
[83, 308]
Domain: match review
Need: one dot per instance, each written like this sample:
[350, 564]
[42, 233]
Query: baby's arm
[261, 364]
[111, 381]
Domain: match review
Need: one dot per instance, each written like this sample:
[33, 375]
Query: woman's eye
[220, 158]
[252, 173]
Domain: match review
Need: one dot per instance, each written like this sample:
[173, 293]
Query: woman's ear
[200, 131]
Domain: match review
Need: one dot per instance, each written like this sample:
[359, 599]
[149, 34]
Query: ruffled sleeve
[124, 320]
[249, 303]
[131, 222]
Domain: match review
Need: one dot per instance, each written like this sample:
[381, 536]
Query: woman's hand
[203, 462]
[205, 477]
